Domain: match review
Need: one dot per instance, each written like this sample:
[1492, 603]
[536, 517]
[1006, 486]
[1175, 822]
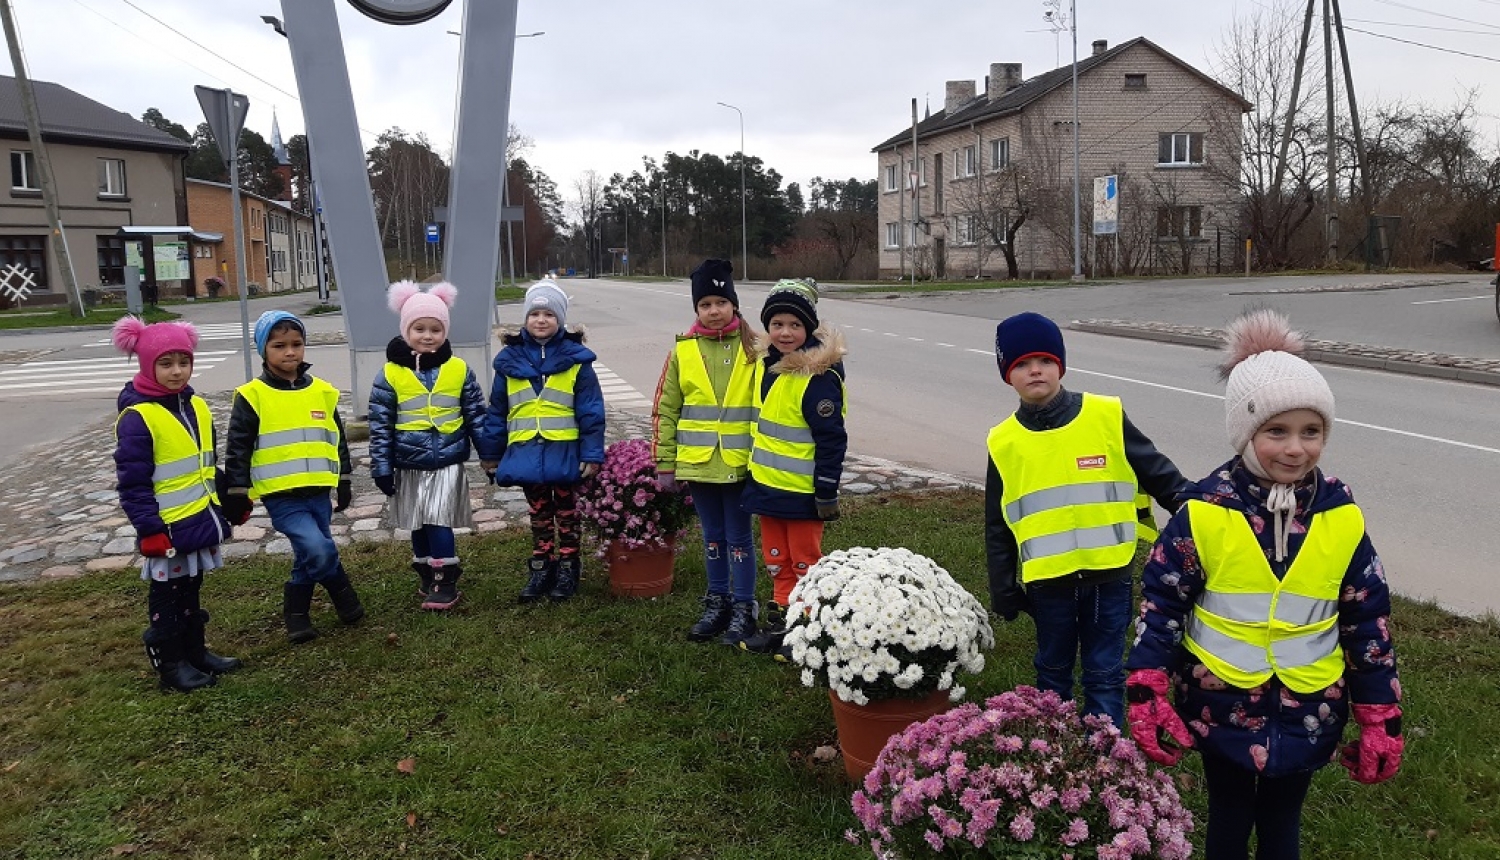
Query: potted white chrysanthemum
[886, 631]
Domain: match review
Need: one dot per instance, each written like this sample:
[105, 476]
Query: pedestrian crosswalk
[206, 331]
[106, 374]
[619, 393]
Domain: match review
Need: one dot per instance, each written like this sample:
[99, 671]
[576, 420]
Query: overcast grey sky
[820, 81]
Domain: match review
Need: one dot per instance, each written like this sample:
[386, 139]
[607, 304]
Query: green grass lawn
[52, 316]
[591, 729]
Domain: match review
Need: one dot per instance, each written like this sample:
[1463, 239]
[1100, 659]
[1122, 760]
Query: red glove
[156, 546]
[1152, 718]
[1376, 755]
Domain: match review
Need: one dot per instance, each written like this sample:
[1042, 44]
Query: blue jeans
[315, 557]
[433, 542]
[728, 545]
[1084, 624]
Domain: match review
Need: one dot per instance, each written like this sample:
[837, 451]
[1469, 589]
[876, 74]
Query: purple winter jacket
[134, 463]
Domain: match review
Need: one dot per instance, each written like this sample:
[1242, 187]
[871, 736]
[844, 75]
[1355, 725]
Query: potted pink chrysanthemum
[636, 522]
[1021, 776]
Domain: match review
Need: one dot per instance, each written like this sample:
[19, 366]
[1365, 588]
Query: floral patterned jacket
[1268, 729]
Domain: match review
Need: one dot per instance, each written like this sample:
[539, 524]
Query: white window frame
[112, 177]
[966, 161]
[892, 178]
[999, 153]
[1178, 148]
[964, 229]
[28, 175]
[893, 234]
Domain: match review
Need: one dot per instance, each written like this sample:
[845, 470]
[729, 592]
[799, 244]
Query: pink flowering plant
[624, 503]
[1021, 777]
[872, 624]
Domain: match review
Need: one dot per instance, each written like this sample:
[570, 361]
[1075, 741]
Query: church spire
[277, 146]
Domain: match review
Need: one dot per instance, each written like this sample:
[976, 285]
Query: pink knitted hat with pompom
[410, 303]
[131, 335]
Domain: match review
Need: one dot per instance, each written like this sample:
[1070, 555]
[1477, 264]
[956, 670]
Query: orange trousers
[789, 548]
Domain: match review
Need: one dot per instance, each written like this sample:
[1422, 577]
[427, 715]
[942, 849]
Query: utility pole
[1333, 186]
[43, 163]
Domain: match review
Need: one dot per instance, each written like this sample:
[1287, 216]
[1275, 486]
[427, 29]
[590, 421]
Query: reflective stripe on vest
[417, 408]
[298, 445]
[1247, 625]
[1145, 521]
[547, 413]
[183, 475]
[1069, 493]
[704, 423]
[784, 456]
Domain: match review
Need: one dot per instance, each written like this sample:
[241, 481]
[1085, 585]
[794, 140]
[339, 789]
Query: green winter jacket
[719, 354]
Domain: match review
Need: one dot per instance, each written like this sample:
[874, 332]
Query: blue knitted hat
[268, 321]
[1024, 335]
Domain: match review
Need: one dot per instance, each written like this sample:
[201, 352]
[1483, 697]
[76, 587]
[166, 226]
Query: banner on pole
[1106, 205]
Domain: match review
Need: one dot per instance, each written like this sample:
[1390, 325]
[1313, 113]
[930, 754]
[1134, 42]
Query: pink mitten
[1152, 718]
[1376, 755]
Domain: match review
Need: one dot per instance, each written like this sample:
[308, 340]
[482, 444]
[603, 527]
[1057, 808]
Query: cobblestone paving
[60, 517]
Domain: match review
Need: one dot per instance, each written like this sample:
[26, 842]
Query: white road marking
[618, 392]
[1440, 301]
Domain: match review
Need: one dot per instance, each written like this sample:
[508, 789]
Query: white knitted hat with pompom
[1268, 376]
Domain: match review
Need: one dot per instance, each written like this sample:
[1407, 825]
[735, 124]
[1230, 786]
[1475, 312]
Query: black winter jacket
[244, 430]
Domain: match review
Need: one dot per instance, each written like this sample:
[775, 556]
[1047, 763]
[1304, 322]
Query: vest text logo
[1094, 462]
[320, 415]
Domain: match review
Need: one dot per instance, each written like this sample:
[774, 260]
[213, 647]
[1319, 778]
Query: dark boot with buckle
[445, 593]
[168, 657]
[715, 618]
[198, 654]
[296, 603]
[345, 598]
[424, 577]
[767, 640]
[541, 576]
[742, 618]
[569, 571]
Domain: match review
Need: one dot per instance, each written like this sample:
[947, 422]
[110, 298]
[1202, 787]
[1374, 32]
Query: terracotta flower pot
[864, 729]
[640, 572]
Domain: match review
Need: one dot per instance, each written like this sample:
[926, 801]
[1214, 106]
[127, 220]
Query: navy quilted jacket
[420, 450]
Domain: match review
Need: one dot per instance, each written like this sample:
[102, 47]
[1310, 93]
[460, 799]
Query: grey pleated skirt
[438, 498]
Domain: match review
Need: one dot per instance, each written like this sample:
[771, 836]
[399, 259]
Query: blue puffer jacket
[540, 461]
[134, 463]
[420, 450]
[1270, 729]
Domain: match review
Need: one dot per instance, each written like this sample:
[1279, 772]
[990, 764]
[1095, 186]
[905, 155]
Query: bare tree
[589, 190]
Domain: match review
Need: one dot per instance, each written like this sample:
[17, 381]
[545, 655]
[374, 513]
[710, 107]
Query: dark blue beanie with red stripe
[1024, 335]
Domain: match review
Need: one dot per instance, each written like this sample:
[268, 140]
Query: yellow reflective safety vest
[420, 409]
[704, 423]
[298, 444]
[1248, 625]
[1145, 521]
[547, 413]
[183, 477]
[1069, 493]
[783, 454]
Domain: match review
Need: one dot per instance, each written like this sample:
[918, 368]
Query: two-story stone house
[112, 171]
[990, 190]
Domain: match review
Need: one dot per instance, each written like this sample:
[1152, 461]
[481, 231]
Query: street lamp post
[744, 232]
[1077, 228]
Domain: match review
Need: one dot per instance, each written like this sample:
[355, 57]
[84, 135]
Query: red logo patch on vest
[1094, 462]
[319, 415]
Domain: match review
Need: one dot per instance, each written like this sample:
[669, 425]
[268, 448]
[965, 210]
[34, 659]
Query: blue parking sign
[432, 234]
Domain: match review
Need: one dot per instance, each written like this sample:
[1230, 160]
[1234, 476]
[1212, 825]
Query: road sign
[617, 250]
[432, 234]
[225, 111]
[1106, 205]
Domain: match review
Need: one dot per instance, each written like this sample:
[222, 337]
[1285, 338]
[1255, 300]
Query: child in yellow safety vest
[426, 409]
[797, 456]
[168, 486]
[287, 448]
[1061, 516]
[544, 432]
[1265, 606]
[705, 407]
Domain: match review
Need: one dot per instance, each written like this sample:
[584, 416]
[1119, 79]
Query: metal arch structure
[477, 177]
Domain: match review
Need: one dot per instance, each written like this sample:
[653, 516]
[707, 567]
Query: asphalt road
[924, 389]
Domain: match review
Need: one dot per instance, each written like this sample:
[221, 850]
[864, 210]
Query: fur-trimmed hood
[515, 335]
[824, 350]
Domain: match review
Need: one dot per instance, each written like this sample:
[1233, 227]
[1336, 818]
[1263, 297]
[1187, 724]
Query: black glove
[828, 509]
[342, 496]
[236, 506]
[386, 483]
[1010, 603]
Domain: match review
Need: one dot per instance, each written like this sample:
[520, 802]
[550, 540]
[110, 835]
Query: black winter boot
[198, 654]
[445, 593]
[569, 571]
[741, 623]
[424, 575]
[168, 658]
[715, 618]
[296, 601]
[345, 598]
[541, 576]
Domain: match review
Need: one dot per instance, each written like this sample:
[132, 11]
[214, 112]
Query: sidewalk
[60, 517]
